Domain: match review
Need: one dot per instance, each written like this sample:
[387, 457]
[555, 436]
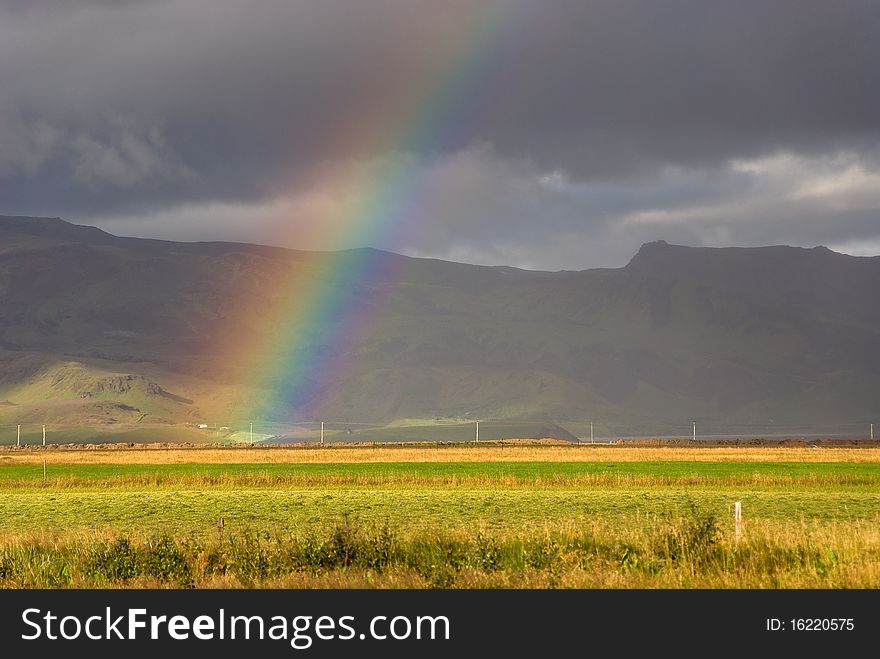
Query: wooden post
[737, 516]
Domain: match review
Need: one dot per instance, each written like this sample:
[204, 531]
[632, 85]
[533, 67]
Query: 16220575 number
[822, 624]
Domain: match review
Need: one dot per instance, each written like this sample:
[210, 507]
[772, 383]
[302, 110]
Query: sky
[544, 134]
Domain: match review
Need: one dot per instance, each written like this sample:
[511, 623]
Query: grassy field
[440, 516]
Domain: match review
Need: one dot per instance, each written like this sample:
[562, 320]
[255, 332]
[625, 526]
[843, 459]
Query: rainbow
[317, 308]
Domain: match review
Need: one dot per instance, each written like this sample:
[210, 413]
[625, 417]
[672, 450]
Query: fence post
[737, 516]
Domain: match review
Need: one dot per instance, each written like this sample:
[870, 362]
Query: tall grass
[414, 479]
[693, 550]
[487, 473]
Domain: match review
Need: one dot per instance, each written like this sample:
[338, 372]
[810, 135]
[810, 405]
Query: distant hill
[97, 329]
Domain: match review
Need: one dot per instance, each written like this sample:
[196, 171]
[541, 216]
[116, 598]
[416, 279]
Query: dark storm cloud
[617, 121]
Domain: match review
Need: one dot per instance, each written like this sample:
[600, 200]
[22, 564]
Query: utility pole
[44, 435]
[322, 433]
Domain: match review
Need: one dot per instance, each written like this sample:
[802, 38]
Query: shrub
[117, 561]
[165, 561]
[691, 540]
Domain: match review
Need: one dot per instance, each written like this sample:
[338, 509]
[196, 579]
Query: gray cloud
[552, 134]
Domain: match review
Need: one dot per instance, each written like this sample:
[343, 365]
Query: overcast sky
[552, 134]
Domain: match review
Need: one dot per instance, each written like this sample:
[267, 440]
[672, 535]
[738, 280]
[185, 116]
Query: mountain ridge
[744, 335]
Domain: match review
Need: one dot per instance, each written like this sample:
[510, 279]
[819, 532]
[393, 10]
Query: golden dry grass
[417, 453]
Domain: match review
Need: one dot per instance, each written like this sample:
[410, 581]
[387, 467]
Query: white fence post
[737, 516]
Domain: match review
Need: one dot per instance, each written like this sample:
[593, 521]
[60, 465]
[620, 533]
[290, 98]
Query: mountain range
[102, 334]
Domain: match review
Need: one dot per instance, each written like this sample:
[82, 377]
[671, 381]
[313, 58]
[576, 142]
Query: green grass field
[606, 523]
[531, 472]
[190, 498]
